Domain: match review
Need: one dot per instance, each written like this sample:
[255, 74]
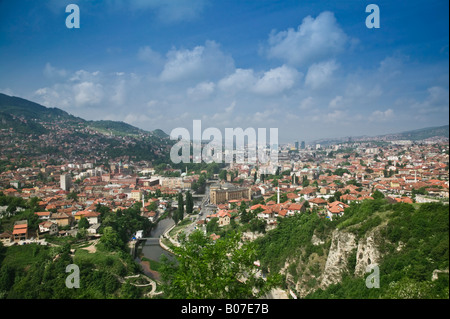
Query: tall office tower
[65, 182]
[303, 145]
[296, 145]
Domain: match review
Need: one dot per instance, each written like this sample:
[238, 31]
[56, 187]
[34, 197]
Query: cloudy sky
[312, 69]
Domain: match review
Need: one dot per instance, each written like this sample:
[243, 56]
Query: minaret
[278, 195]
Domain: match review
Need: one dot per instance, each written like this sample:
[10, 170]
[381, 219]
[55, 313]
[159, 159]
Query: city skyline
[312, 70]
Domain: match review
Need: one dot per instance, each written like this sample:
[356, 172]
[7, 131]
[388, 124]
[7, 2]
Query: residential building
[219, 194]
[48, 227]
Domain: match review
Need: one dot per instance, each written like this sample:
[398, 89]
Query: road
[205, 209]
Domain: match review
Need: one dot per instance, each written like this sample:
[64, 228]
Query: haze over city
[311, 69]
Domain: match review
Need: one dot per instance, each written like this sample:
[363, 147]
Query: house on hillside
[43, 215]
[92, 217]
[224, 217]
[266, 214]
[336, 208]
[6, 237]
[296, 208]
[61, 219]
[20, 231]
[48, 227]
[318, 202]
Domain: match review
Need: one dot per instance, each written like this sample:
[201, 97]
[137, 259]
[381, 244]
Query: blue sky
[312, 69]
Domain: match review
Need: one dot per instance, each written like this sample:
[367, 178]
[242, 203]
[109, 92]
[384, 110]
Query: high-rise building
[65, 182]
[303, 145]
[296, 145]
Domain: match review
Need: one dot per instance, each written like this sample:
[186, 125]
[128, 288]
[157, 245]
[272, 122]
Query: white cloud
[146, 54]
[392, 66]
[82, 76]
[241, 79]
[276, 80]
[202, 62]
[135, 119]
[201, 90]
[87, 93]
[382, 116]
[55, 96]
[152, 103]
[307, 104]
[436, 101]
[51, 72]
[266, 117]
[119, 93]
[6, 91]
[335, 116]
[314, 40]
[320, 73]
[336, 102]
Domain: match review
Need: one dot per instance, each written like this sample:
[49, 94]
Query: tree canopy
[208, 269]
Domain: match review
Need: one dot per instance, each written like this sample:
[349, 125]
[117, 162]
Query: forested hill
[33, 112]
[409, 243]
[51, 132]
[421, 134]
[19, 107]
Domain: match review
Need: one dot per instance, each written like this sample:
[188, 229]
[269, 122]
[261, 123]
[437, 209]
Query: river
[151, 249]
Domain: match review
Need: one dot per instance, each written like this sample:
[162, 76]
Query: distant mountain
[161, 133]
[9, 121]
[30, 130]
[23, 109]
[30, 110]
[115, 127]
[413, 135]
[421, 134]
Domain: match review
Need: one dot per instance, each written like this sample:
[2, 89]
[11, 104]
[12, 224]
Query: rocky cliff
[346, 253]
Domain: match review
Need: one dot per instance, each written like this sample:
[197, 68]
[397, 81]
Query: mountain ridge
[20, 107]
[414, 135]
[35, 131]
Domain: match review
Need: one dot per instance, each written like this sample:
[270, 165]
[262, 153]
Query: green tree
[305, 181]
[6, 278]
[72, 195]
[223, 175]
[205, 269]
[130, 291]
[213, 225]
[377, 195]
[111, 240]
[180, 210]
[83, 223]
[189, 203]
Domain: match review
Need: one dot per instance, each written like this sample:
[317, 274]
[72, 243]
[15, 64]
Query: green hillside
[9, 122]
[56, 133]
[440, 131]
[31, 113]
[30, 110]
[411, 242]
[115, 127]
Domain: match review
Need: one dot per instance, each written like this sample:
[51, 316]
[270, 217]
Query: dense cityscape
[223, 158]
[49, 199]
